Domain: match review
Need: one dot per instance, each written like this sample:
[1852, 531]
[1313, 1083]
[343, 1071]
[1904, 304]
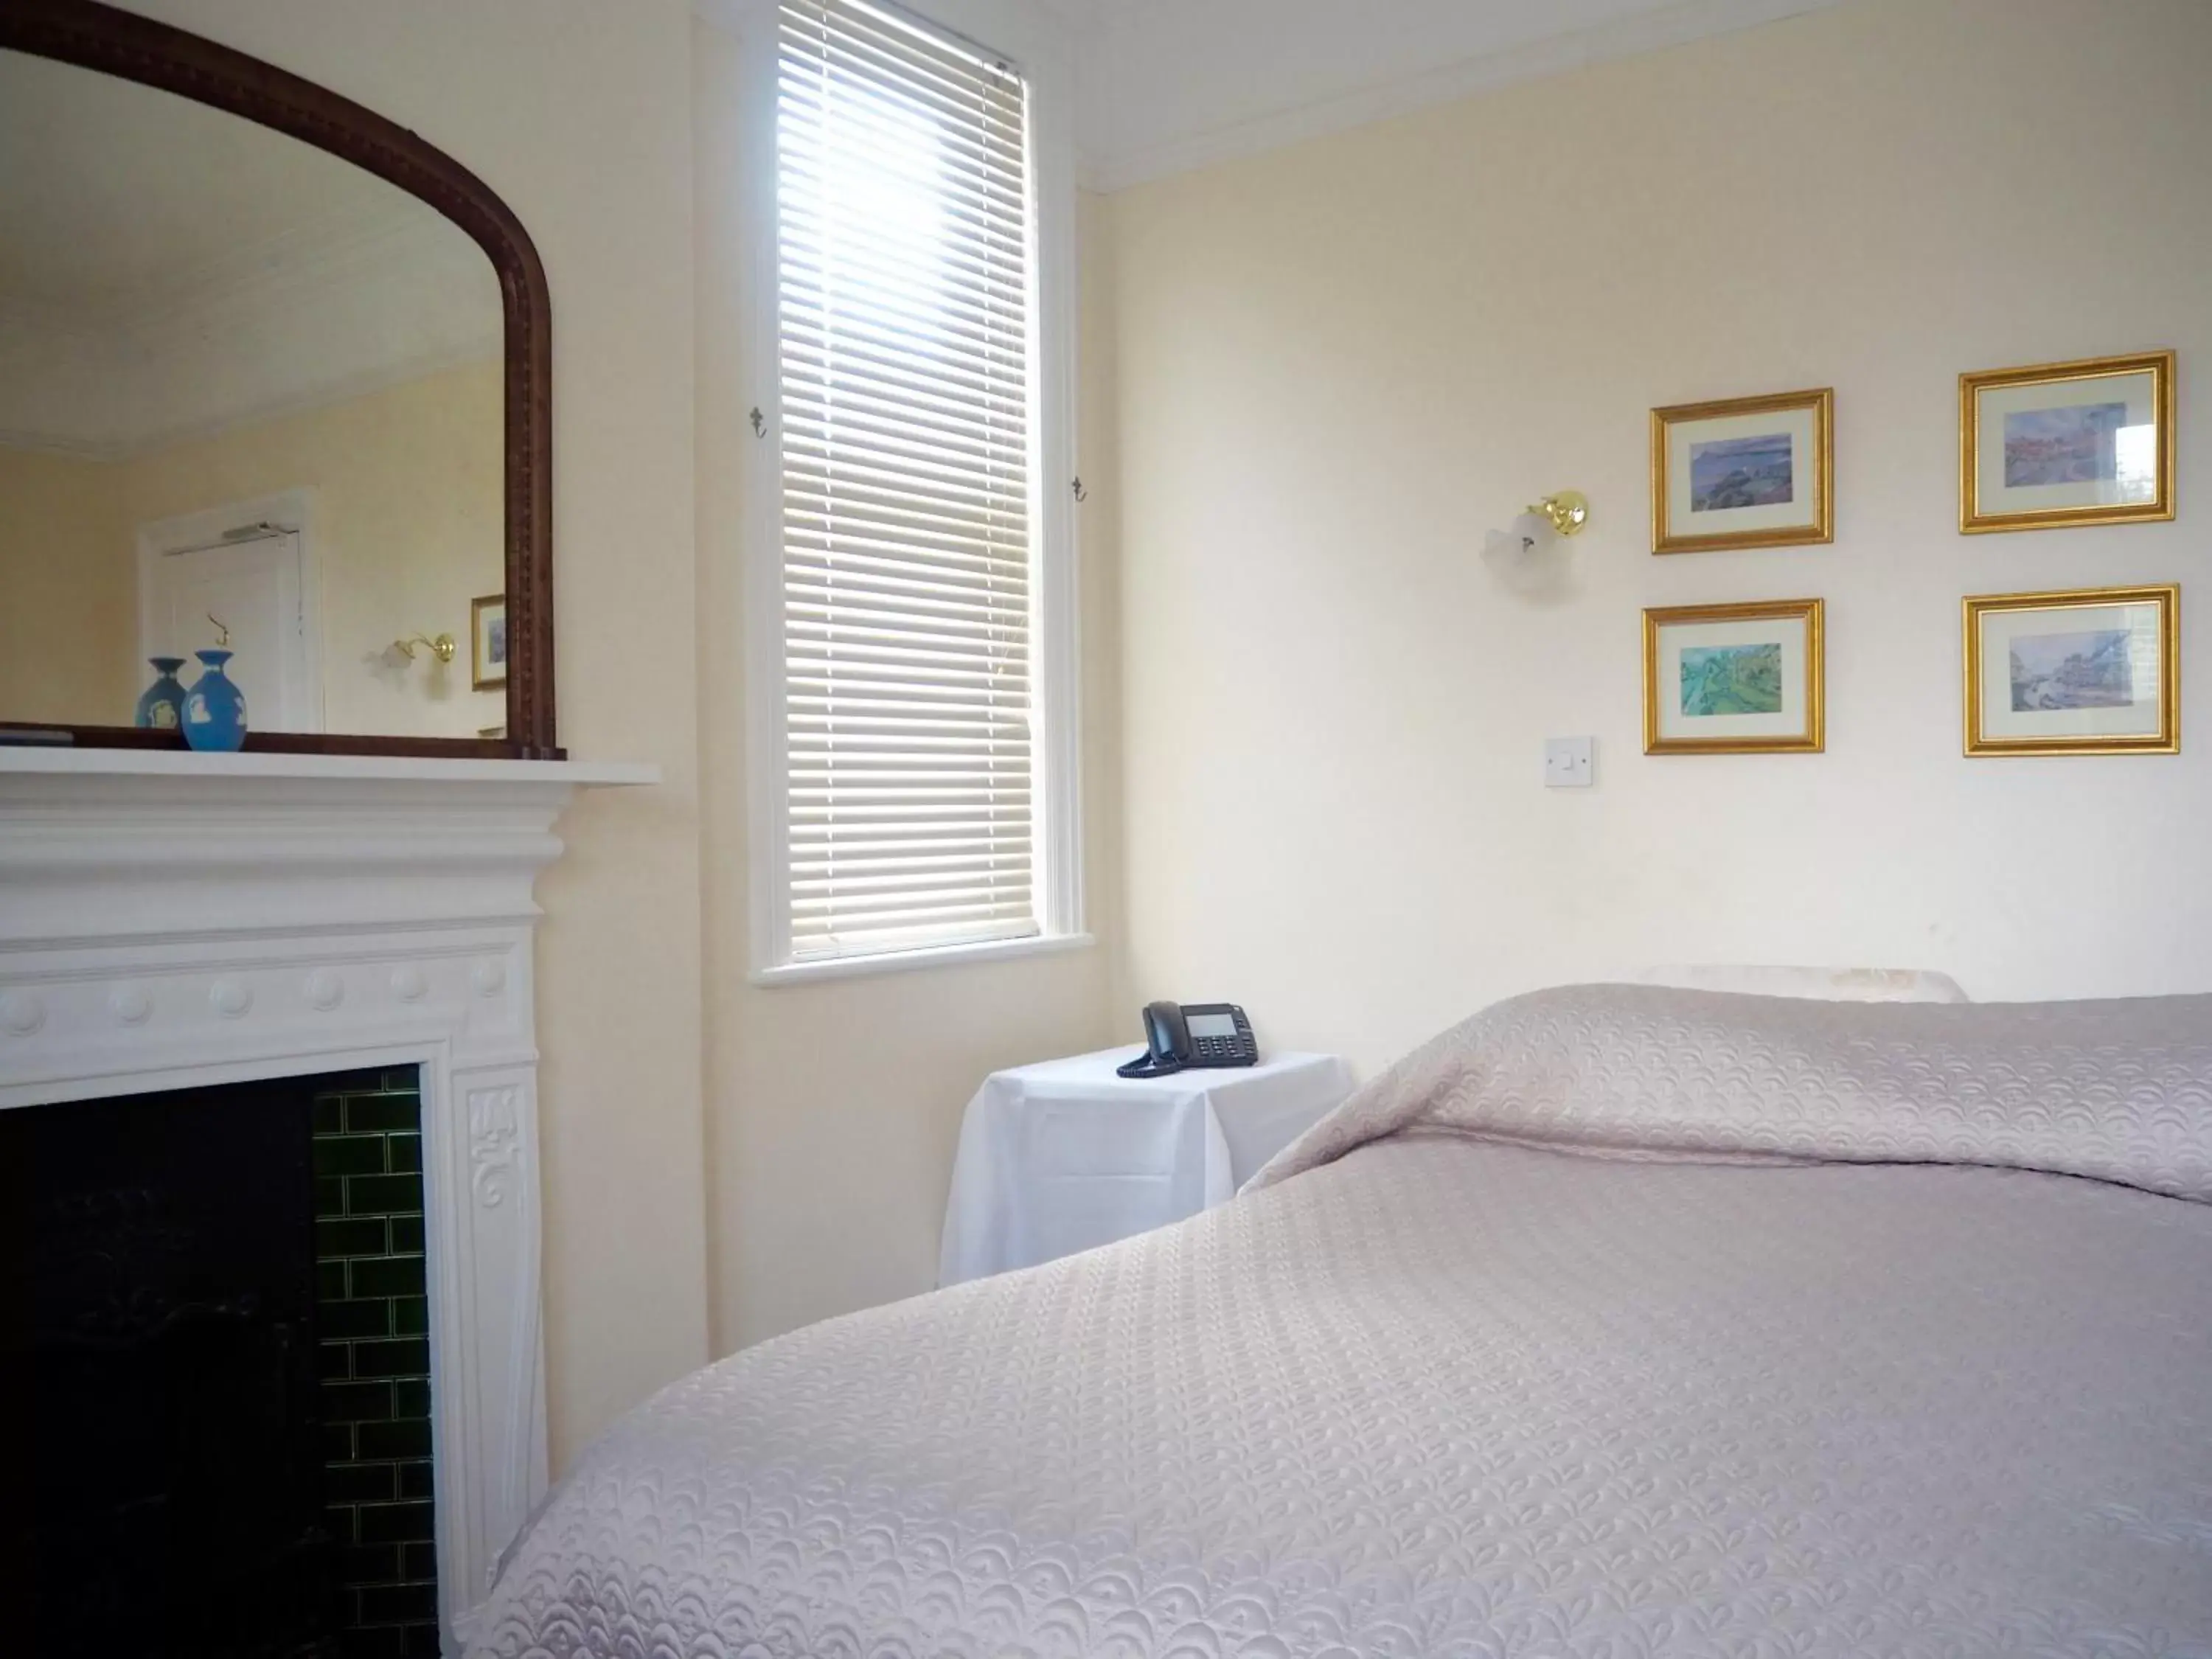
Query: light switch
[1567, 762]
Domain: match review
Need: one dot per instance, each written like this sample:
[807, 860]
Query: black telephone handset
[1179, 1036]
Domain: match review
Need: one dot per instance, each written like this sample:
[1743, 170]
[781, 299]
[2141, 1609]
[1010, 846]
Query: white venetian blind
[903, 289]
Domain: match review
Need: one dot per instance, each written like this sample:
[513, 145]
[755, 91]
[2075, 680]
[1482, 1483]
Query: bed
[1616, 1321]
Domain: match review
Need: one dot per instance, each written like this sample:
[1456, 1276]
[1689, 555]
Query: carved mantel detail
[495, 1143]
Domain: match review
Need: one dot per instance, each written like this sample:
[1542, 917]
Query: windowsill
[942, 955]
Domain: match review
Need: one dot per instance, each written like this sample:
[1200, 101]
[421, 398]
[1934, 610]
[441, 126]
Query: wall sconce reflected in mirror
[442, 647]
[1517, 551]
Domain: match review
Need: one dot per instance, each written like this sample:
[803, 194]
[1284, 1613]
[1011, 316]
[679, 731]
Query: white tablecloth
[1065, 1156]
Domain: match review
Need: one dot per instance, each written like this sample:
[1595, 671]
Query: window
[920, 795]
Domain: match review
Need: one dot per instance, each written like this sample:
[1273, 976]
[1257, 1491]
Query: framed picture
[2094, 671]
[2059, 445]
[1745, 472]
[1735, 679]
[488, 647]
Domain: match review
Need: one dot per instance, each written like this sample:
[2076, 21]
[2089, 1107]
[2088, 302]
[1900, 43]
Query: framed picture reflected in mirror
[487, 641]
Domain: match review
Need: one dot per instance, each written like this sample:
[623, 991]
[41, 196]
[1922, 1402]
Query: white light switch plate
[1567, 762]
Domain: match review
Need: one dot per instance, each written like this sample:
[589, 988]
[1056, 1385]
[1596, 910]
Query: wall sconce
[442, 647]
[1518, 548]
[1566, 513]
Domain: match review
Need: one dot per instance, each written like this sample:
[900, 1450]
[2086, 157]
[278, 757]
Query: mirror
[254, 395]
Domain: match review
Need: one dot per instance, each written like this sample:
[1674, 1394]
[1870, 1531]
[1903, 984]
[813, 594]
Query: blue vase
[163, 708]
[215, 708]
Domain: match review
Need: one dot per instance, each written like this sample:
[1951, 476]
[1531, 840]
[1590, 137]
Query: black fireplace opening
[214, 1373]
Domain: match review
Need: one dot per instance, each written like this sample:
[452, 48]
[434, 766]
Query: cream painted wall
[409, 498]
[1315, 377]
[68, 593]
[833, 1105]
[829, 1143]
[1339, 364]
[578, 113]
[408, 490]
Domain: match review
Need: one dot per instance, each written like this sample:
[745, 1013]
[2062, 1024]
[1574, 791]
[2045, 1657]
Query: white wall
[578, 113]
[1339, 364]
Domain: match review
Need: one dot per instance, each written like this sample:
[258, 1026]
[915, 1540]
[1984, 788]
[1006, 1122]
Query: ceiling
[1163, 86]
[168, 269]
[112, 193]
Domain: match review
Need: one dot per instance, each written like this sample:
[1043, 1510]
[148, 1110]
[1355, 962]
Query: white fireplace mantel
[171, 921]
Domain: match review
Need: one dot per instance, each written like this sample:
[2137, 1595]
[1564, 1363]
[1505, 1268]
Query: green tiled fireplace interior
[371, 1317]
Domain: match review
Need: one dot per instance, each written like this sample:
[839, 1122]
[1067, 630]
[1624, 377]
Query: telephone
[1177, 1035]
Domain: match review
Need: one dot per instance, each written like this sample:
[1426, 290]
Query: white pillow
[1824, 984]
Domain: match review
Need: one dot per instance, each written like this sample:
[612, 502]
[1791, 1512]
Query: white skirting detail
[168, 925]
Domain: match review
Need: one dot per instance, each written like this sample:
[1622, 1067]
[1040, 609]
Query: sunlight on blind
[904, 288]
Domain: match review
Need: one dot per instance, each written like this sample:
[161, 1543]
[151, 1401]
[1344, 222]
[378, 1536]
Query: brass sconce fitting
[442, 647]
[1567, 511]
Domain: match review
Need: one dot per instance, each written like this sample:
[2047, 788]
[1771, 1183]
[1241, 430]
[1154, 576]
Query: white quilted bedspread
[1438, 1387]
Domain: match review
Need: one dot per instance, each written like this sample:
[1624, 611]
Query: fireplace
[213, 1324]
[187, 925]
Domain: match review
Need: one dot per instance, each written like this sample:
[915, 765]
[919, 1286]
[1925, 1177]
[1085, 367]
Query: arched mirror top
[274, 379]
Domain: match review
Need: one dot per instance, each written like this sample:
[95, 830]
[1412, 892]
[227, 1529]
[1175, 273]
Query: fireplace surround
[173, 921]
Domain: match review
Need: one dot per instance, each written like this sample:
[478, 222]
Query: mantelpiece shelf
[36, 760]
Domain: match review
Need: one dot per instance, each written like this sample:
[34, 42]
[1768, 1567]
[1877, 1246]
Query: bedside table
[1064, 1156]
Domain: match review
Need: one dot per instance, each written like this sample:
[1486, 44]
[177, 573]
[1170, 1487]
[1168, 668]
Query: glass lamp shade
[1535, 530]
[1519, 546]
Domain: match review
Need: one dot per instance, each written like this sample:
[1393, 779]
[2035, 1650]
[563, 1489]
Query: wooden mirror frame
[121, 43]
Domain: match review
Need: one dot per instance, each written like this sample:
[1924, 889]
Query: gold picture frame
[2042, 472]
[1751, 730]
[1806, 419]
[488, 642]
[2083, 719]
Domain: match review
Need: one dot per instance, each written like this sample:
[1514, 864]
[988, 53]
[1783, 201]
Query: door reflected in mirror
[245, 386]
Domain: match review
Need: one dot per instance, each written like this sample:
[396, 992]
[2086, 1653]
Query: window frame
[1036, 44]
